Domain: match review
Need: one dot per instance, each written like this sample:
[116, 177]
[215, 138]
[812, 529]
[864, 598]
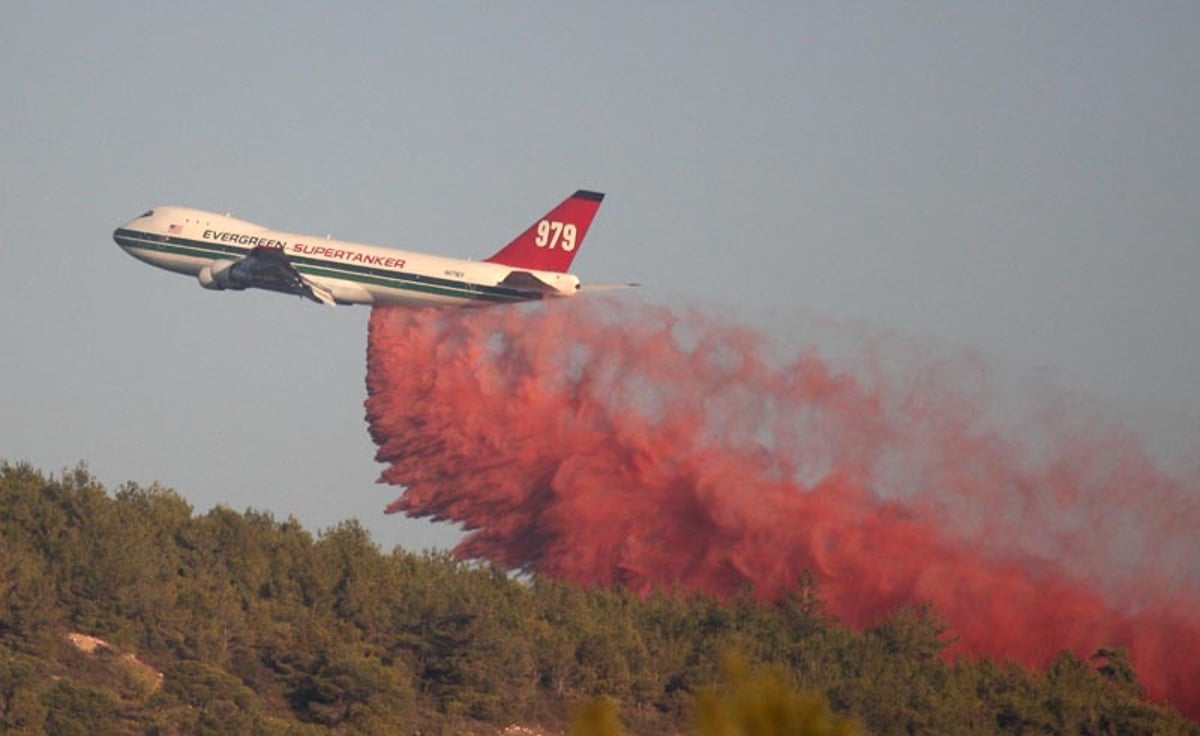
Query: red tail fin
[550, 244]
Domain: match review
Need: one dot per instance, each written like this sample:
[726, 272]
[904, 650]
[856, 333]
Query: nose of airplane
[124, 234]
[121, 234]
[121, 238]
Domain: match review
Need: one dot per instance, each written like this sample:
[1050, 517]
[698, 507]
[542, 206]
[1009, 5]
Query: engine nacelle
[218, 276]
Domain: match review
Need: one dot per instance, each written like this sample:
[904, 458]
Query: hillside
[126, 612]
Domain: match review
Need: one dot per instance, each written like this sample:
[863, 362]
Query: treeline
[257, 627]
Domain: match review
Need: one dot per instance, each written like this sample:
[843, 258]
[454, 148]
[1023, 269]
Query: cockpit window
[147, 213]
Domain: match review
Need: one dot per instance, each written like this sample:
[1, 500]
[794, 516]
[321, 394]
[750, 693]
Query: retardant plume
[612, 442]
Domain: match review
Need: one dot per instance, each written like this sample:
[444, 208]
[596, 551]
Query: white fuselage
[188, 241]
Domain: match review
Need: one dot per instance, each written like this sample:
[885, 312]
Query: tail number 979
[554, 234]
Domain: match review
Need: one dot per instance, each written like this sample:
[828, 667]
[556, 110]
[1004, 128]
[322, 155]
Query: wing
[267, 268]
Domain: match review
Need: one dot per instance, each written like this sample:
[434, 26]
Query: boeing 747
[222, 252]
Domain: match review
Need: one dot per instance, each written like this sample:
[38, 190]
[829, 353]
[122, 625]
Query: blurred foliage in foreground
[759, 703]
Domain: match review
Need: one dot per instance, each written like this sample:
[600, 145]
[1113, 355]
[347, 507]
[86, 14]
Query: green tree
[22, 680]
[75, 709]
[1114, 665]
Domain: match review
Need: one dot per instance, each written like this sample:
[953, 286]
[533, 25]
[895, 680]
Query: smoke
[613, 442]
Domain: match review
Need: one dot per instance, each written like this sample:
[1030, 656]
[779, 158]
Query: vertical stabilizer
[550, 244]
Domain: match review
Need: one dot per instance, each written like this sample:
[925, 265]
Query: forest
[124, 611]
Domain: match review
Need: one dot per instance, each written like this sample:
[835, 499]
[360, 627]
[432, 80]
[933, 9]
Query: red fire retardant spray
[611, 442]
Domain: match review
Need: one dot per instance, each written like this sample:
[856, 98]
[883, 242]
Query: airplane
[223, 252]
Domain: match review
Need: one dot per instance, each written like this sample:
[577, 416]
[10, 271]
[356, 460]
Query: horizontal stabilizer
[526, 281]
[607, 287]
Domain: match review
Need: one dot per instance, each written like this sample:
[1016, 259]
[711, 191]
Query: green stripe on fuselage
[324, 269]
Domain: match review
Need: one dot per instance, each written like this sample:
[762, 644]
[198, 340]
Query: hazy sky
[1020, 179]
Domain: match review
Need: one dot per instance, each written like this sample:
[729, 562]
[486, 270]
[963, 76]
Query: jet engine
[220, 275]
